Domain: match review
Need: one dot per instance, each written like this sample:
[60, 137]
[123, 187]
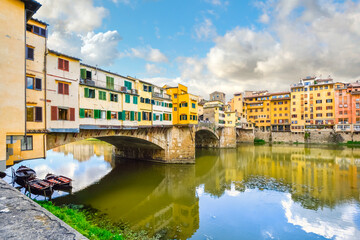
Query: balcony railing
[163, 95]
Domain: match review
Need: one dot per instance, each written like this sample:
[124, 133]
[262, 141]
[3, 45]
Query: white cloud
[152, 69]
[337, 223]
[78, 16]
[301, 38]
[100, 48]
[264, 18]
[72, 25]
[205, 30]
[148, 53]
[218, 2]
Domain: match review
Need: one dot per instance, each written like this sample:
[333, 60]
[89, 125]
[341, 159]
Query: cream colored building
[161, 107]
[106, 99]
[62, 90]
[214, 112]
[14, 15]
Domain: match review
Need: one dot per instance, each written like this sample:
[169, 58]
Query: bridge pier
[227, 137]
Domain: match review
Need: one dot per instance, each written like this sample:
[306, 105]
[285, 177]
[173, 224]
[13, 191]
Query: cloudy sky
[208, 45]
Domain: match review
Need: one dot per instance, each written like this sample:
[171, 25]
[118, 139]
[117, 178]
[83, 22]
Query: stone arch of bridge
[129, 139]
[206, 137]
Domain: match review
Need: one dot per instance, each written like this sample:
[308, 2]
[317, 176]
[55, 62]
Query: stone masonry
[22, 218]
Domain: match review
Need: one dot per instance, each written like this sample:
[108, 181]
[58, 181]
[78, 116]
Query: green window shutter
[123, 115]
[154, 116]
[135, 99]
[120, 116]
[132, 116]
[96, 114]
[161, 116]
[104, 95]
[100, 95]
[86, 90]
[112, 83]
[82, 113]
[83, 73]
[107, 82]
[170, 105]
[108, 115]
[128, 85]
[170, 117]
[127, 98]
[139, 116]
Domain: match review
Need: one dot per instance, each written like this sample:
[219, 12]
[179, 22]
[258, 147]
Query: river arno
[252, 192]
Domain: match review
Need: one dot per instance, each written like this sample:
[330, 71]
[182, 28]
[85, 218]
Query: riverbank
[92, 224]
[22, 218]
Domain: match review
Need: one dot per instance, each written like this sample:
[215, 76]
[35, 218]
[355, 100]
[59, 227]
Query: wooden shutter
[96, 114]
[38, 83]
[132, 116]
[170, 117]
[154, 116]
[83, 73]
[60, 63]
[108, 113]
[66, 67]
[120, 116]
[54, 113]
[139, 116]
[82, 113]
[124, 115]
[38, 114]
[72, 114]
[60, 88]
[66, 89]
[86, 92]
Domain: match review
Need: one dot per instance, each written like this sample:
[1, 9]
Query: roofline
[39, 21]
[62, 54]
[90, 66]
[31, 7]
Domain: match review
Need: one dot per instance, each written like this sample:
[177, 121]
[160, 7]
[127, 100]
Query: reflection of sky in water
[83, 173]
[256, 214]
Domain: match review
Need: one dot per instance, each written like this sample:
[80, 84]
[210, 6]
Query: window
[127, 98]
[68, 114]
[128, 85]
[27, 143]
[29, 53]
[329, 93]
[142, 100]
[113, 97]
[89, 113]
[33, 114]
[63, 64]
[85, 74]
[175, 108]
[183, 117]
[146, 116]
[102, 95]
[147, 88]
[63, 88]
[175, 95]
[63, 114]
[193, 105]
[318, 101]
[329, 100]
[357, 105]
[147, 100]
[33, 83]
[36, 30]
[110, 82]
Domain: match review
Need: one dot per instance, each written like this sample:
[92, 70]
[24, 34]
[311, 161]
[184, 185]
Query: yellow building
[237, 104]
[312, 104]
[14, 15]
[280, 112]
[257, 107]
[145, 89]
[185, 105]
[230, 119]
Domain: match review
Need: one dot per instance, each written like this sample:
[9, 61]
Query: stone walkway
[21, 218]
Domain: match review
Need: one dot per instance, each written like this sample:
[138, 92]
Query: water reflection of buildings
[84, 150]
[163, 198]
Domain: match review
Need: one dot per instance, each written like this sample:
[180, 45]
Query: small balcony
[161, 95]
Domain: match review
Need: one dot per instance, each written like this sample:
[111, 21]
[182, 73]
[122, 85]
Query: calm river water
[252, 192]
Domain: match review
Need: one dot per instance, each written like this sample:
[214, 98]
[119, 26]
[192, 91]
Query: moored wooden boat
[24, 174]
[40, 187]
[59, 182]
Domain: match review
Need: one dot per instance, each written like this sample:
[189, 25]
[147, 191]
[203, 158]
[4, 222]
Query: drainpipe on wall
[45, 90]
[25, 22]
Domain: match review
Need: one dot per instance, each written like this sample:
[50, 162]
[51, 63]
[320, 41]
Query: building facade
[161, 107]
[185, 105]
[214, 112]
[106, 100]
[62, 90]
[13, 66]
[312, 104]
[257, 107]
[280, 112]
[217, 96]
